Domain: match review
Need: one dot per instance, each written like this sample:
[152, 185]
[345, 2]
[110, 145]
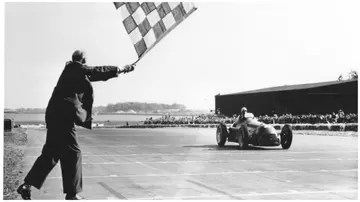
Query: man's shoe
[74, 197]
[25, 191]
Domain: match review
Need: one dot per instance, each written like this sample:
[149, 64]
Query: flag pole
[134, 63]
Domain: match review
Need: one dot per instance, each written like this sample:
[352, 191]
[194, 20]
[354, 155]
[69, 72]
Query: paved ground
[181, 163]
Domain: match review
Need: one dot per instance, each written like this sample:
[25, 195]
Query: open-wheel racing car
[251, 131]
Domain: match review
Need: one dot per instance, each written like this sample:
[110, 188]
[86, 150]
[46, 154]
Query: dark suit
[70, 104]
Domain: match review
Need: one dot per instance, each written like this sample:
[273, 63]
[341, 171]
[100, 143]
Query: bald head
[79, 56]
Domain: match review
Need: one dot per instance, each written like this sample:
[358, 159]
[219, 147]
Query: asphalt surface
[185, 163]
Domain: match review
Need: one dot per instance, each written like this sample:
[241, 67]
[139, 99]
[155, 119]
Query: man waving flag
[148, 22]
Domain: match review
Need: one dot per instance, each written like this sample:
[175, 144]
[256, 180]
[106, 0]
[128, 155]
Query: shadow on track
[230, 147]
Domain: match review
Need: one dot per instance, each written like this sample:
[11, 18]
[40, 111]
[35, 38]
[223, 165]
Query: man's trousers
[61, 145]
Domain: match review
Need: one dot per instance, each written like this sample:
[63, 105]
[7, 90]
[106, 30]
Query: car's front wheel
[286, 136]
[221, 134]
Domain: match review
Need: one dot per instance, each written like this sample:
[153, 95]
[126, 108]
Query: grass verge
[326, 133]
[14, 143]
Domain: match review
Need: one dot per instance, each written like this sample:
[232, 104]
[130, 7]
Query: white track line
[212, 161]
[213, 173]
[236, 152]
[145, 165]
[123, 146]
[150, 135]
[112, 198]
[292, 192]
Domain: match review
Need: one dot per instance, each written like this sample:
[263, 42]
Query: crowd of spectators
[199, 119]
[339, 117]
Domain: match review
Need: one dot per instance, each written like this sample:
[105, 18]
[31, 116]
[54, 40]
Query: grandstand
[314, 98]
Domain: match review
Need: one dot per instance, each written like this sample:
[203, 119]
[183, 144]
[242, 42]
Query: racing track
[180, 163]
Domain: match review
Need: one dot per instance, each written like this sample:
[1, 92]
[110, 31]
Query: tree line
[138, 107]
[353, 74]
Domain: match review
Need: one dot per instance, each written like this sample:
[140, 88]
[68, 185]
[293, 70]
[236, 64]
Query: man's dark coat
[72, 98]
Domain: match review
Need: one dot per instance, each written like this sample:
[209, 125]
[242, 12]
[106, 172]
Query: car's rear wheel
[286, 136]
[243, 137]
[221, 134]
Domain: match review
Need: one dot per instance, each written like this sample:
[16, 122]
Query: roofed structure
[315, 98]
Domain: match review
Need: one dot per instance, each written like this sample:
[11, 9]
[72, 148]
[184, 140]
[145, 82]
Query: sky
[223, 47]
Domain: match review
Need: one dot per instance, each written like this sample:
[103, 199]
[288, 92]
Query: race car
[251, 131]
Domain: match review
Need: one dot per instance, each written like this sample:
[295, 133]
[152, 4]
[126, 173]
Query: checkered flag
[148, 22]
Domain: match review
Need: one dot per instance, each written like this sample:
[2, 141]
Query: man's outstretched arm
[103, 73]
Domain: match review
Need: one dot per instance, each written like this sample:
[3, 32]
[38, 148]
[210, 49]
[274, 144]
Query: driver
[243, 112]
[241, 117]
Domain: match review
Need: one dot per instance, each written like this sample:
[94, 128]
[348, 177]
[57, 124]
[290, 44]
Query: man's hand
[74, 100]
[127, 68]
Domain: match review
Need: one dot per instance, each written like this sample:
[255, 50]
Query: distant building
[315, 98]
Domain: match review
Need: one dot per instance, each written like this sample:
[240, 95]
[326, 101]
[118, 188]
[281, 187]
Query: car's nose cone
[269, 130]
[269, 137]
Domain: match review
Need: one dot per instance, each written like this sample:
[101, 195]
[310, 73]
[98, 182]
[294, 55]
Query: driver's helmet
[243, 111]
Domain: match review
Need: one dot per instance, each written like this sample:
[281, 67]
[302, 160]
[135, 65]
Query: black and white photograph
[202, 100]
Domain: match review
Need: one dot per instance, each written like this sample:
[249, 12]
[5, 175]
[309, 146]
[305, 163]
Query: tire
[286, 136]
[243, 137]
[221, 135]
